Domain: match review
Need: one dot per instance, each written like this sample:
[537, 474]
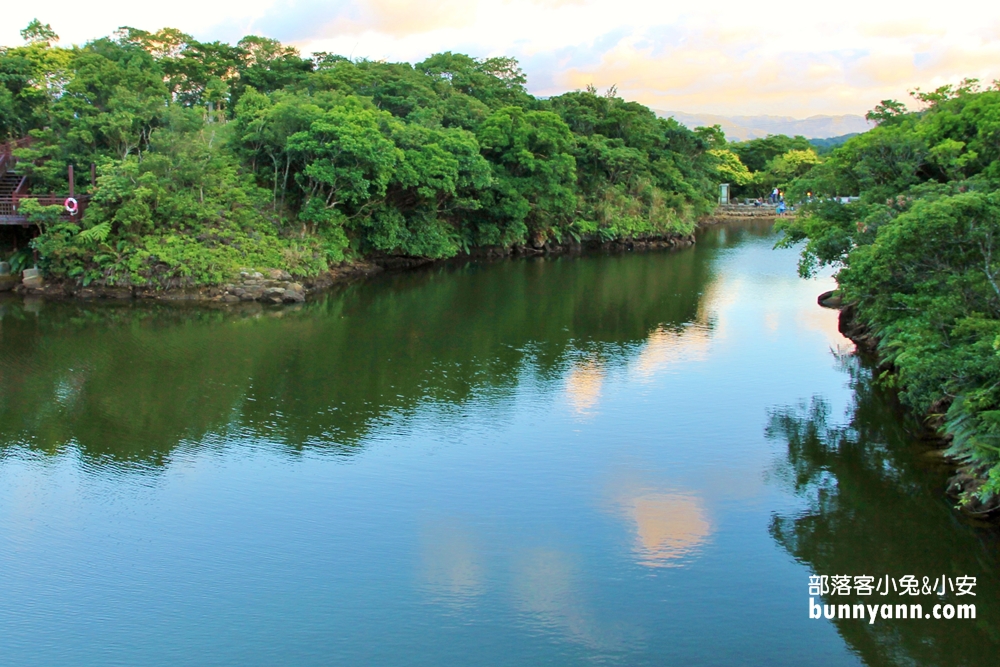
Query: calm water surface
[633, 460]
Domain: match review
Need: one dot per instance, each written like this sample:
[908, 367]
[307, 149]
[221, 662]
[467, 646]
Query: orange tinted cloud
[399, 18]
[784, 57]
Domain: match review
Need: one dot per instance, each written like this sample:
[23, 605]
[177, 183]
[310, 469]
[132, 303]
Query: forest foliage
[211, 157]
[919, 255]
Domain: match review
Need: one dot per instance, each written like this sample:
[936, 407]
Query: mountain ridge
[741, 128]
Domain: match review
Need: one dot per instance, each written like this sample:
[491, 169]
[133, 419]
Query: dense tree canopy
[772, 162]
[920, 256]
[213, 156]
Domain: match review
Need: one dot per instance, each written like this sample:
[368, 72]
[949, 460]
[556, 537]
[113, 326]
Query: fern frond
[96, 234]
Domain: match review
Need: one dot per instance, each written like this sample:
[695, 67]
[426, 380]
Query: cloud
[785, 57]
[77, 22]
[312, 20]
[404, 17]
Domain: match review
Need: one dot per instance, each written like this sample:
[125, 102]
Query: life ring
[72, 206]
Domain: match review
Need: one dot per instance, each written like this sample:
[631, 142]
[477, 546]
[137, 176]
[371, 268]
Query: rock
[274, 291]
[32, 279]
[278, 274]
[830, 299]
[294, 293]
[230, 298]
[257, 275]
[7, 283]
[4, 268]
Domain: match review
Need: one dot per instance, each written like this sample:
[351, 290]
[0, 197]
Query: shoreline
[275, 286]
[964, 476]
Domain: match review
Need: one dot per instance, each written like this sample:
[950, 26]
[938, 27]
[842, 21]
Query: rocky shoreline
[275, 286]
[966, 477]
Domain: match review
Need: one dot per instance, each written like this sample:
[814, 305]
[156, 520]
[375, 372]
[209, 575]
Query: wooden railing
[49, 200]
[10, 206]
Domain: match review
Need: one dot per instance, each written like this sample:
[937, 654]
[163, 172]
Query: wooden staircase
[10, 184]
[14, 187]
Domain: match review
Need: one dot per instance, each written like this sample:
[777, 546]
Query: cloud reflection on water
[452, 569]
[586, 378]
[546, 586]
[667, 527]
[583, 385]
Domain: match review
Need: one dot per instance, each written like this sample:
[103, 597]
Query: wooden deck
[14, 189]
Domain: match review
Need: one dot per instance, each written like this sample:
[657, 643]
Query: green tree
[39, 33]
[213, 156]
[918, 259]
[534, 175]
[730, 168]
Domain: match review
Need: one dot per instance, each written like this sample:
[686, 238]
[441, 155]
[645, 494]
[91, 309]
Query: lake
[633, 459]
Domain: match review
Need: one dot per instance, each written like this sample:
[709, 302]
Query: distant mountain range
[740, 128]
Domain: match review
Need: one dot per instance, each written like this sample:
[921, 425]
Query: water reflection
[453, 572]
[665, 347]
[875, 505]
[583, 385]
[129, 382]
[545, 444]
[546, 587]
[668, 526]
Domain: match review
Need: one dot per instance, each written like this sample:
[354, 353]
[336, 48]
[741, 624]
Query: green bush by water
[212, 158]
[920, 256]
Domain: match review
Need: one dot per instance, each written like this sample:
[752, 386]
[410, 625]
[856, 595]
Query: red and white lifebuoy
[72, 206]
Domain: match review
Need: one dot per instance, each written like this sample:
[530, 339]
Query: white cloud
[776, 56]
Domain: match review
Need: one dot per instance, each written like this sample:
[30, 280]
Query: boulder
[278, 274]
[294, 293]
[32, 279]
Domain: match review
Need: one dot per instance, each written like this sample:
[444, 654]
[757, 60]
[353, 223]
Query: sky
[780, 57]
